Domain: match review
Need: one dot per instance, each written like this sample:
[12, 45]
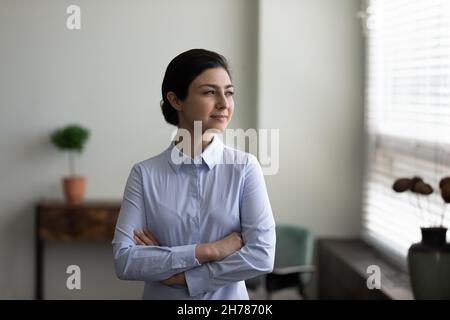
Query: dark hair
[181, 71]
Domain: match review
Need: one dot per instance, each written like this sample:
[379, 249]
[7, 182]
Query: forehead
[218, 76]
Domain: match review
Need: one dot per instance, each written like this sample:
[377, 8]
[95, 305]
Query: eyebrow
[214, 86]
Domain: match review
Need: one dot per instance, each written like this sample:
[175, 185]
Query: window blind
[407, 118]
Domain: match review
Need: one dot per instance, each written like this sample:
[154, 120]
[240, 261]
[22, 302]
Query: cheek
[198, 109]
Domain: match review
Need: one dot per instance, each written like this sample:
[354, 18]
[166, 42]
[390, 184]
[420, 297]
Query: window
[407, 118]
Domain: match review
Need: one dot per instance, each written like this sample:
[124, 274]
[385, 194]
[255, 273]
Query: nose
[222, 102]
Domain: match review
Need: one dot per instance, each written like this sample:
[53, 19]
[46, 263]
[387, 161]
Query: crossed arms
[205, 252]
[202, 267]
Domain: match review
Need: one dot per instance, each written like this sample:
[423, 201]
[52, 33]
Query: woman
[195, 228]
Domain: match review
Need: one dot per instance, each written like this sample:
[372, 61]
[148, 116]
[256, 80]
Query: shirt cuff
[184, 257]
[198, 280]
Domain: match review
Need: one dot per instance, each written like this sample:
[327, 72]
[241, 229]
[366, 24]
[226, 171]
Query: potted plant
[72, 139]
[429, 260]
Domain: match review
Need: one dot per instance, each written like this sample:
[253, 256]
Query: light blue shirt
[184, 204]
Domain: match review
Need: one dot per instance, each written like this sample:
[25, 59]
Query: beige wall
[311, 88]
[297, 66]
[108, 77]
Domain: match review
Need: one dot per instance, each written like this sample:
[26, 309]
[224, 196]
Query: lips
[219, 117]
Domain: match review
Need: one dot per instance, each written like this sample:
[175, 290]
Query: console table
[343, 274]
[59, 221]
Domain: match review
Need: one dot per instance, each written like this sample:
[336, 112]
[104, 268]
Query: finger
[150, 235]
[145, 239]
[138, 234]
[169, 281]
[138, 241]
[149, 239]
[166, 282]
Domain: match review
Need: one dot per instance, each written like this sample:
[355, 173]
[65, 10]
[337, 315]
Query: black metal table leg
[39, 267]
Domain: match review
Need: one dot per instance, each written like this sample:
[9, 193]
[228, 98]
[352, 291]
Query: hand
[176, 279]
[226, 246]
[145, 238]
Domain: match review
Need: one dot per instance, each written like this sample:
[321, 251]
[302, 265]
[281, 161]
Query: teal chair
[293, 262]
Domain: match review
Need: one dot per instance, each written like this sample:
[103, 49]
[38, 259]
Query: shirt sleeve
[146, 263]
[257, 255]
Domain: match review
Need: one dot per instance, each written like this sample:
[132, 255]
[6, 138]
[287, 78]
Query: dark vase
[429, 265]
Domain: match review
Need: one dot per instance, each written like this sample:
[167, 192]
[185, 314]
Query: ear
[174, 101]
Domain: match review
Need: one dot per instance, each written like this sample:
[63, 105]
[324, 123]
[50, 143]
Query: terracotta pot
[74, 188]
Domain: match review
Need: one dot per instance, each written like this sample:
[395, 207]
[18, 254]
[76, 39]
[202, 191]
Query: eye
[209, 92]
[229, 93]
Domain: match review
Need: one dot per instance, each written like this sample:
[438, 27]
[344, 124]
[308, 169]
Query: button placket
[195, 198]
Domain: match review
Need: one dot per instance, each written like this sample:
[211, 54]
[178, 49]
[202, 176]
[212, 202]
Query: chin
[218, 126]
[217, 129]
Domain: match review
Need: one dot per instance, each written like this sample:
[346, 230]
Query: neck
[193, 146]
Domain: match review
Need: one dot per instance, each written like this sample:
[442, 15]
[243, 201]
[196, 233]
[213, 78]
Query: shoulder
[239, 158]
[149, 165]
[246, 165]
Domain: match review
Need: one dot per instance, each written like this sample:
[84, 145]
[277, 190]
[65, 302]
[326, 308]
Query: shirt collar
[212, 155]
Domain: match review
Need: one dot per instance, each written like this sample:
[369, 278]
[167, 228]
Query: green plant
[71, 138]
